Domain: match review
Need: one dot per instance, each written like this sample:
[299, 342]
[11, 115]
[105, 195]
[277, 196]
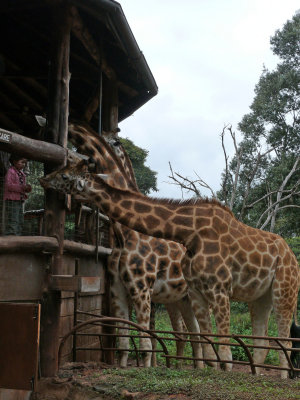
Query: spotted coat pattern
[142, 268]
[225, 259]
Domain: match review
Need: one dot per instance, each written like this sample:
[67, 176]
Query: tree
[274, 122]
[260, 183]
[145, 177]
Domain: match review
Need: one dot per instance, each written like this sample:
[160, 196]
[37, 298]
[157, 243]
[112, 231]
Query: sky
[206, 57]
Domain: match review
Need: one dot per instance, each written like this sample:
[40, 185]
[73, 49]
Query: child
[15, 189]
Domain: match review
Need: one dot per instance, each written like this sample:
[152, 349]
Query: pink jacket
[12, 187]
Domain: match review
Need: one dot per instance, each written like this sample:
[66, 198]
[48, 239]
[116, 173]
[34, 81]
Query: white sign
[5, 137]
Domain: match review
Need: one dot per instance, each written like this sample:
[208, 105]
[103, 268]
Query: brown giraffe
[225, 259]
[141, 267]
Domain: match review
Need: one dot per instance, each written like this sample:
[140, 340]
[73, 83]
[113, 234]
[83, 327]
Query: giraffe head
[71, 179]
[107, 151]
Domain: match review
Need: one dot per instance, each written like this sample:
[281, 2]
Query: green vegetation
[263, 175]
[198, 384]
[145, 177]
[240, 325]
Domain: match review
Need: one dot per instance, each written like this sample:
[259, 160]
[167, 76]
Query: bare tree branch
[269, 193]
[250, 180]
[273, 207]
[227, 173]
[289, 206]
[238, 153]
[188, 184]
[279, 194]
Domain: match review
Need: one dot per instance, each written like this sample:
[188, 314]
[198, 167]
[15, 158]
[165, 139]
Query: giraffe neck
[167, 219]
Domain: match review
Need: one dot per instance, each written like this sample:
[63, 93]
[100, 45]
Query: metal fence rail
[277, 343]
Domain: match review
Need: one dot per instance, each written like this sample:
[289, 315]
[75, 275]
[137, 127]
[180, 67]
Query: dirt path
[84, 381]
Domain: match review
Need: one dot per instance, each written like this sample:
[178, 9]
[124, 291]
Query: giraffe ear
[103, 176]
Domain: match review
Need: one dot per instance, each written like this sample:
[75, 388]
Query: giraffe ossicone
[225, 259]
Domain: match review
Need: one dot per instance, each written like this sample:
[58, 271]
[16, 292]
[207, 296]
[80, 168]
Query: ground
[95, 381]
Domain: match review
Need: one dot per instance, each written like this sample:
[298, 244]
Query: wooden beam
[82, 249]
[127, 89]
[83, 34]
[9, 103]
[37, 150]
[91, 108]
[28, 244]
[29, 80]
[75, 283]
[19, 93]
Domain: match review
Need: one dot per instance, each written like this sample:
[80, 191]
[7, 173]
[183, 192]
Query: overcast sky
[206, 57]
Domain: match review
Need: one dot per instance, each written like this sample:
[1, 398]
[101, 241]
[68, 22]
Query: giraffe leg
[191, 323]
[260, 311]
[153, 341]
[119, 303]
[142, 310]
[284, 306]
[201, 310]
[178, 326]
[221, 311]
[120, 310]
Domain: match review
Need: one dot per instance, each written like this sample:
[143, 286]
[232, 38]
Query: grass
[200, 384]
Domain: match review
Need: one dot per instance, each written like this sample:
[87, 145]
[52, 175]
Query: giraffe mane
[164, 201]
[192, 201]
[85, 127]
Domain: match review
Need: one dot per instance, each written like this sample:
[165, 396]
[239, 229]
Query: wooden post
[109, 123]
[75, 312]
[57, 132]
[110, 106]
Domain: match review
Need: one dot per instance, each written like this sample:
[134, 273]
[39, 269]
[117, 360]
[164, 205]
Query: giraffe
[225, 259]
[141, 267]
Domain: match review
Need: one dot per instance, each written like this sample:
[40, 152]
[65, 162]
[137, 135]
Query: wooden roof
[100, 36]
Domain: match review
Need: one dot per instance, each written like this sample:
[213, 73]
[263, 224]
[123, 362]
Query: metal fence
[110, 326]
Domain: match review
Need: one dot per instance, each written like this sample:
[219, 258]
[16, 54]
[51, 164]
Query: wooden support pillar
[57, 131]
[110, 107]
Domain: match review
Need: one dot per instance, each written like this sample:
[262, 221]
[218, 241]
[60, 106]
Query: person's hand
[28, 188]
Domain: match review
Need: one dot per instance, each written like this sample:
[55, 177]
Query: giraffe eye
[116, 142]
[64, 176]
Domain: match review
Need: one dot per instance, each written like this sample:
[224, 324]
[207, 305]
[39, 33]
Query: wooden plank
[90, 303]
[22, 278]
[19, 344]
[12, 394]
[65, 325]
[67, 283]
[73, 283]
[67, 306]
[28, 244]
[81, 249]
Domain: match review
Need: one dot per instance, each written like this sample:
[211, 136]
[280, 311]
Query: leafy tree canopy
[145, 177]
[267, 159]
